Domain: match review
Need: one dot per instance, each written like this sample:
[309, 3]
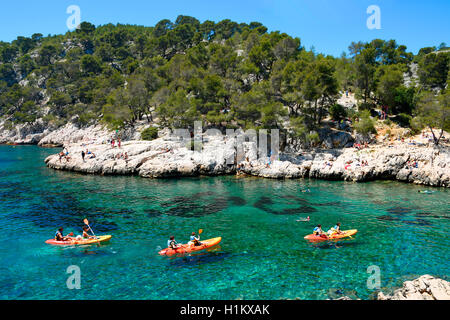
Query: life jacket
[58, 236]
[171, 243]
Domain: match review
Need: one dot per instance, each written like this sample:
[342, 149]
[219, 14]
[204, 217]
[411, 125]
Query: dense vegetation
[225, 73]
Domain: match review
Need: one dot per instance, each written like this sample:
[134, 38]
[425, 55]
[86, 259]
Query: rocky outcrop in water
[425, 287]
[44, 134]
[171, 156]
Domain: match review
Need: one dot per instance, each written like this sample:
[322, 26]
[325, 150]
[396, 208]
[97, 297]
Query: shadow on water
[334, 244]
[102, 250]
[199, 258]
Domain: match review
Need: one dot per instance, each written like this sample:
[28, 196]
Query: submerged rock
[425, 287]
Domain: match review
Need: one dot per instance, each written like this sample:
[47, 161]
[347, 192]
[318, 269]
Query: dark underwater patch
[307, 209]
[328, 204]
[295, 198]
[200, 258]
[62, 209]
[114, 211]
[178, 200]
[153, 213]
[399, 210]
[379, 202]
[295, 211]
[431, 215]
[237, 201]
[203, 194]
[418, 222]
[388, 218]
[192, 207]
[264, 203]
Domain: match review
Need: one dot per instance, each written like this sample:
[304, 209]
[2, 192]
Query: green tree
[365, 68]
[434, 69]
[91, 64]
[433, 112]
[365, 124]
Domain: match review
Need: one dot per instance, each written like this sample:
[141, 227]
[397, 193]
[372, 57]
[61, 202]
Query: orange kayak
[186, 248]
[335, 236]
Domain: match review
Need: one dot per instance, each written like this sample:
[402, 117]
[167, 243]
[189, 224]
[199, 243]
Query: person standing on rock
[113, 142]
[82, 155]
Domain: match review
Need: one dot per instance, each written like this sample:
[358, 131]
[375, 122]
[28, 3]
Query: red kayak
[186, 248]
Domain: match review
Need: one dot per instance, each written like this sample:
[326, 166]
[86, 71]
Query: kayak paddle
[200, 231]
[86, 222]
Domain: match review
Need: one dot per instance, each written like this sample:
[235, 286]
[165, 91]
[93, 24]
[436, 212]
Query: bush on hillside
[403, 120]
[150, 133]
[366, 124]
[338, 112]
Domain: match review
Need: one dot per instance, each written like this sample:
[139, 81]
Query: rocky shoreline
[425, 287]
[414, 161]
[171, 156]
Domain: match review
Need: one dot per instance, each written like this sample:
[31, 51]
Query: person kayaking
[85, 234]
[194, 240]
[304, 219]
[171, 243]
[318, 231]
[59, 235]
[335, 229]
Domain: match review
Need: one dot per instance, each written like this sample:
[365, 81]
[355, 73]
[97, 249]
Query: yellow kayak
[74, 241]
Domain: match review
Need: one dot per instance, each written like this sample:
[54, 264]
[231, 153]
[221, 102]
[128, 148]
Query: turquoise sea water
[262, 255]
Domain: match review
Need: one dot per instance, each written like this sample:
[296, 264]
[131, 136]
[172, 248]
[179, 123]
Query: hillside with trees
[227, 74]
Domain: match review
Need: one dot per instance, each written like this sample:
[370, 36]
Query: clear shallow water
[262, 255]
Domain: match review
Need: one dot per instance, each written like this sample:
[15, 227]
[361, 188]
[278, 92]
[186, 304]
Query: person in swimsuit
[318, 231]
[59, 235]
[172, 244]
[195, 240]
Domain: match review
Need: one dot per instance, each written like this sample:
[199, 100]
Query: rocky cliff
[170, 156]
